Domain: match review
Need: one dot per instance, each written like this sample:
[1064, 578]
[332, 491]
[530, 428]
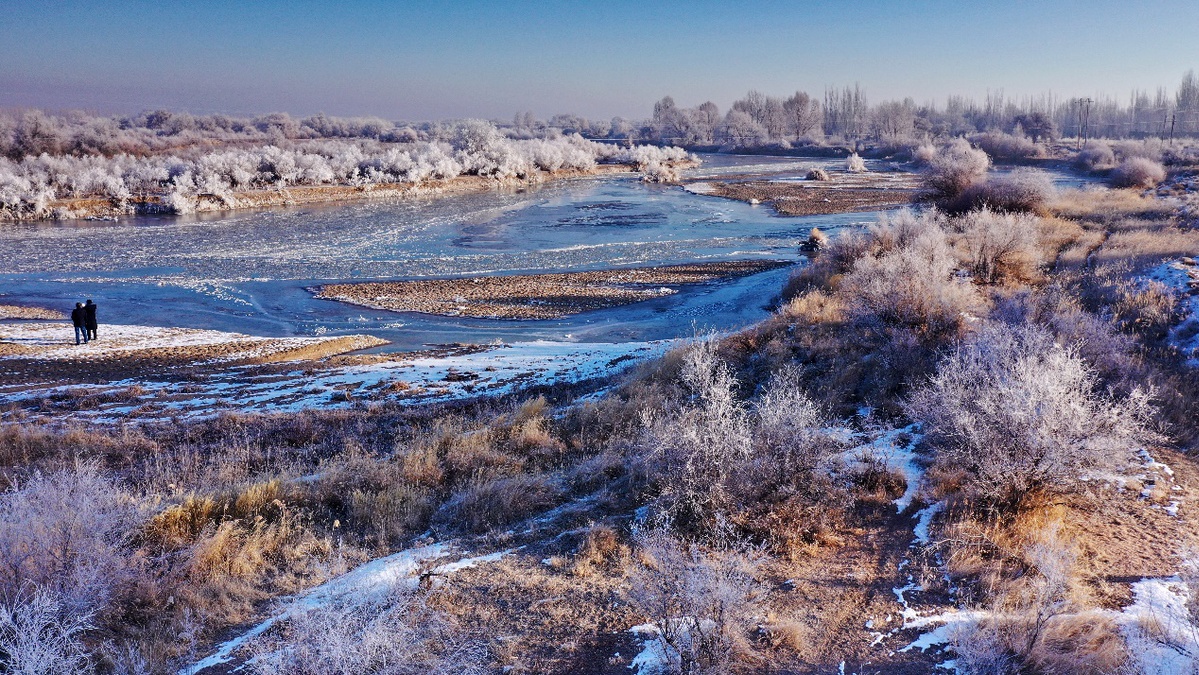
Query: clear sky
[409, 60]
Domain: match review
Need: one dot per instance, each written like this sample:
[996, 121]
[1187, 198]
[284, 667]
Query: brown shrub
[1137, 172]
[1105, 207]
[1000, 246]
[486, 505]
[1142, 248]
[1021, 191]
[601, 547]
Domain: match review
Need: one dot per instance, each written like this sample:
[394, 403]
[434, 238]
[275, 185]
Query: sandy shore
[537, 296]
[844, 193]
[33, 313]
[104, 209]
[166, 374]
[46, 351]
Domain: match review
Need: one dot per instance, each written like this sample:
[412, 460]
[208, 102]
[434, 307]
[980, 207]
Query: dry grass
[239, 510]
[1140, 248]
[1105, 207]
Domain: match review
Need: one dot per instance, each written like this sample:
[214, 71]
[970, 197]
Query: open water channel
[249, 271]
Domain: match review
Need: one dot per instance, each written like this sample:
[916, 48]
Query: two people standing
[84, 318]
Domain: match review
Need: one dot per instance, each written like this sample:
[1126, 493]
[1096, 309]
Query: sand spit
[110, 209]
[31, 313]
[537, 296]
[844, 193]
[46, 351]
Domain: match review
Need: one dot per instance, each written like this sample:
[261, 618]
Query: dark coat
[90, 311]
[79, 317]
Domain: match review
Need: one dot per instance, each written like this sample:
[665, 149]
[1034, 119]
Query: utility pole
[1086, 117]
[1173, 117]
[1078, 117]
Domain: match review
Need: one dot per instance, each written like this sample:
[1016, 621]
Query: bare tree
[803, 114]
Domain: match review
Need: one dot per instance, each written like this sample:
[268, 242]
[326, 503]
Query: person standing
[79, 318]
[90, 319]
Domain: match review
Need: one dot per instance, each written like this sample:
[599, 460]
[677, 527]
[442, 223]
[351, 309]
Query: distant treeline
[845, 115]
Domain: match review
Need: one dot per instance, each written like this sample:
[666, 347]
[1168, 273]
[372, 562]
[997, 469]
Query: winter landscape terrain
[814, 383]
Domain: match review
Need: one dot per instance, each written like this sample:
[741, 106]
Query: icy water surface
[248, 272]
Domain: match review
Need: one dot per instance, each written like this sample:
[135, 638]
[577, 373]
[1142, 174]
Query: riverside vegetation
[995, 368]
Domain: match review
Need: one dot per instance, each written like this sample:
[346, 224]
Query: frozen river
[249, 271]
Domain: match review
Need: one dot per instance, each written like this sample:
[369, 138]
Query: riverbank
[44, 352]
[538, 296]
[111, 209]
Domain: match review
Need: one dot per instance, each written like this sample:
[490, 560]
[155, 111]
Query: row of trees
[846, 114]
[472, 147]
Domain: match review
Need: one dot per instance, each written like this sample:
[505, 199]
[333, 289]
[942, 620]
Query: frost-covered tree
[803, 114]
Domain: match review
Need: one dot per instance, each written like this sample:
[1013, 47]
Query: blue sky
[406, 60]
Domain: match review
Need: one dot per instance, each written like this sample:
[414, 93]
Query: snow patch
[924, 519]
[1158, 628]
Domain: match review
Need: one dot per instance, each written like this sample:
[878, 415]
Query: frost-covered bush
[701, 446]
[717, 455]
[999, 246]
[956, 167]
[394, 636]
[700, 603]
[855, 164]
[1011, 413]
[817, 174]
[923, 154]
[1149, 148]
[65, 533]
[1003, 146]
[1096, 157]
[1137, 172]
[1023, 190]
[41, 636]
[906, 278]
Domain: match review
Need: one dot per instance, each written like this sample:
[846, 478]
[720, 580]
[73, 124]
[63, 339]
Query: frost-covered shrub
[907, 278]
[817, 174]
[1137, 172]
[855, 164]
[395, 636]
[1003, 146]
[956, 167]
[1023, 190]
[1011, 413]
[1096, 157]
[700, 447]
[39, 635]
[700, 603]
[65, 533]
[923, 154]
[999, 246]
[1149, 148]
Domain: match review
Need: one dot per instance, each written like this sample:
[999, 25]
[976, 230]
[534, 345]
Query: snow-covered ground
[497, 370]
[55, 340]
[1181, 277]
[369, 583]
[1159, 628]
